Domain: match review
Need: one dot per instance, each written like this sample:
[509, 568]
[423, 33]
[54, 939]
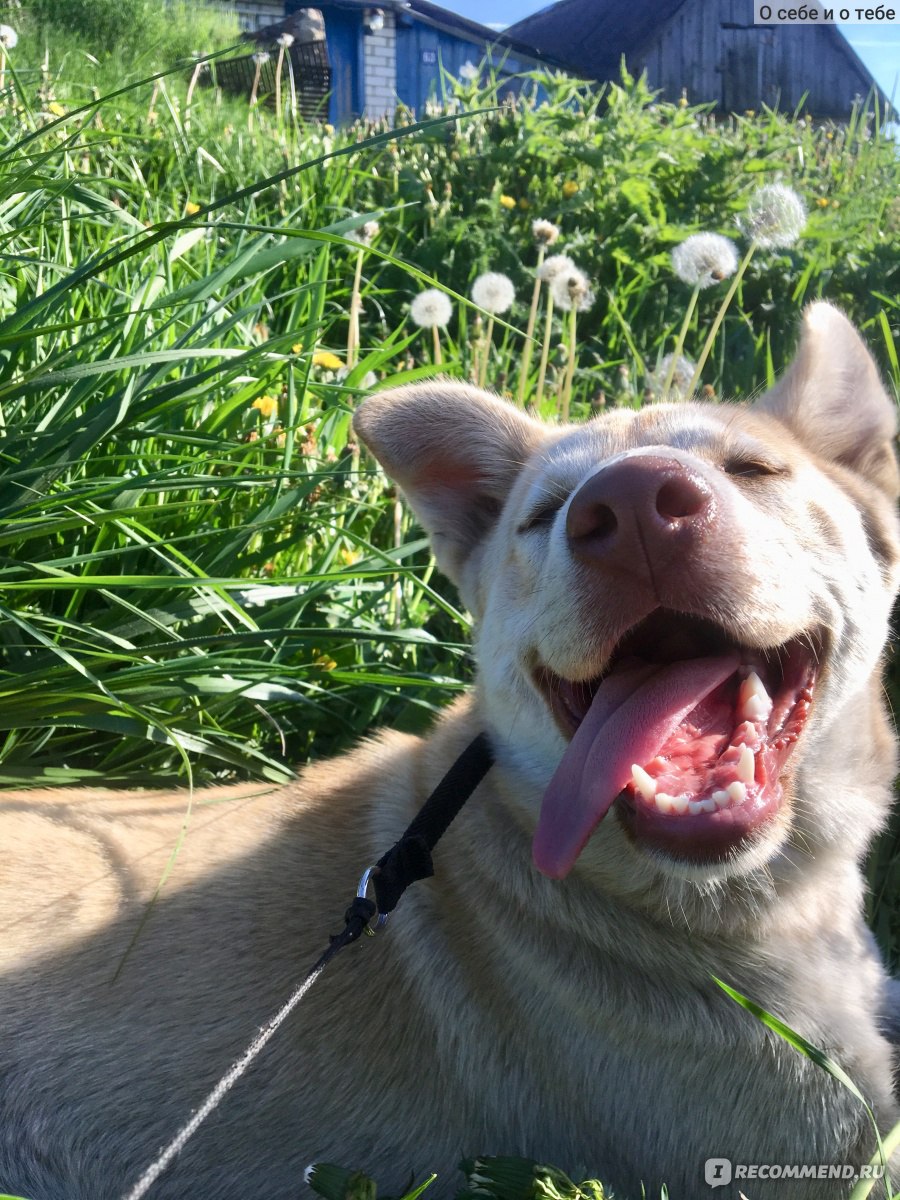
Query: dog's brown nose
[639, 513]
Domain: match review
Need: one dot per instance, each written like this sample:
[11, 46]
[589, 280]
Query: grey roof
[590, 36]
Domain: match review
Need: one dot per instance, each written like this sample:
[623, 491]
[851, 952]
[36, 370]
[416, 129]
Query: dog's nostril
[682, 497]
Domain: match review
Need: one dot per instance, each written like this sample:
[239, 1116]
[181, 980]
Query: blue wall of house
[423, 50]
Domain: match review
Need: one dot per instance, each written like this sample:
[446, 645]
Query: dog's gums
[690, 734]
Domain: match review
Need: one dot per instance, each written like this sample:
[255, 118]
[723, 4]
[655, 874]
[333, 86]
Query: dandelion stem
[253, 92]
[279, 64]
[570, 366]
[488, 336]
[353, 333]
[545, 352]
[438, 357]
[529, 333]
[719, 318]
[679, 343]
[190, 93]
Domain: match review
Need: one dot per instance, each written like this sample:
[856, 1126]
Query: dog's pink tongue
[633, 714]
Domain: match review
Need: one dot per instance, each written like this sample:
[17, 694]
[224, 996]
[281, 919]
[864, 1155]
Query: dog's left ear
[455, 451]
[832, 399]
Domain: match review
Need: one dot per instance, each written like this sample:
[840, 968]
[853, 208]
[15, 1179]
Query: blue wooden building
[394, 50]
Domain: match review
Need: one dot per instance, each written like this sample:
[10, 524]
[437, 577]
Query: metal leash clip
[361, 890]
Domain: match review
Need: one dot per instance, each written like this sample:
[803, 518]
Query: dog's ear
[832, 399]
[455, 451]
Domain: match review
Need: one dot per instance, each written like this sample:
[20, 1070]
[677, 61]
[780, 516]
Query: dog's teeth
[706, 805]
[644, 783]
[754, 702]
[746, 765]
[737, 791]
[721, 799]
[664, 802]
[680, 804]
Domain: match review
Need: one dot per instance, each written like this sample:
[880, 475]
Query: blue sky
[877, 45]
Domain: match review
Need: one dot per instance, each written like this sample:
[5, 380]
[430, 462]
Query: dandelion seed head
[682, 374]
[704, 259]
[545, 233]
[570, 289]
[365, 234]
[430, 308]
[775, 216]
[8, 37]
[493, 292]
[285, 40]
[552, 266]
[468, 71]
[260, 57]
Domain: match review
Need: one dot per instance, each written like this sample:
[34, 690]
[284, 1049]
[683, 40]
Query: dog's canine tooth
[737, 791]
[746, 765]
[644, 783]
[754, 702]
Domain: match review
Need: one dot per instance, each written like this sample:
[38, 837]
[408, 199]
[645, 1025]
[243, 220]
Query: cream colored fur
[502, 1012]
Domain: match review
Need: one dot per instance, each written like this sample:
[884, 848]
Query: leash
[407, 861]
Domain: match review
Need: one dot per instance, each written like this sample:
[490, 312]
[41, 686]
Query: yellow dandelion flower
[569, 188]
[349, 557]
[191, 208]
[56, 109]
[507, 202]
[324, 358]
[266, 405]
[830, 136]
[323, 661]
[523, 202]
[682, 101]
[822, 202]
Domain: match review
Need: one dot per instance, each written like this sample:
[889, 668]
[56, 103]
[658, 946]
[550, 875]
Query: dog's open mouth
[687, 731]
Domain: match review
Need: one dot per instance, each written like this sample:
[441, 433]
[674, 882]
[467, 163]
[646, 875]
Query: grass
[200, 576]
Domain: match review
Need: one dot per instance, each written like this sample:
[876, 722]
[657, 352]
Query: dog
[681, 614]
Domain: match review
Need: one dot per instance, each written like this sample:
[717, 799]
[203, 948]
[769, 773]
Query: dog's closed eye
[751, 467]
[543, 515]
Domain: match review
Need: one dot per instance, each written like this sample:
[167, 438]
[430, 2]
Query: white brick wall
[254, 14]
[380, 66]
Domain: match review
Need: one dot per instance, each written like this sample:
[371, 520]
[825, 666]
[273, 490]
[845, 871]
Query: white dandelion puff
[493, 292]
[431, 308]
[552, 266]
[285, 40]
[260, 57]
[545, 233]
[8, 37]
[775, 216]
[468, 71]
[673, 376]
[364, 234]
[570, 289]
[704, 259]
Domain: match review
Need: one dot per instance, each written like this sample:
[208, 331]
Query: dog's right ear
[454, 451]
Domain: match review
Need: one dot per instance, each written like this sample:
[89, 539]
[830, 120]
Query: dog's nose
[638, 513]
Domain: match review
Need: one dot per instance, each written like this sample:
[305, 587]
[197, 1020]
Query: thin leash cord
[215, 1097]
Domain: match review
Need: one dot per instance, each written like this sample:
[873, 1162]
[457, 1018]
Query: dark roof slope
[590, 36]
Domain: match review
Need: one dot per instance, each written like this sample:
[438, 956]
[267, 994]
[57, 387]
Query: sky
[877, 45]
